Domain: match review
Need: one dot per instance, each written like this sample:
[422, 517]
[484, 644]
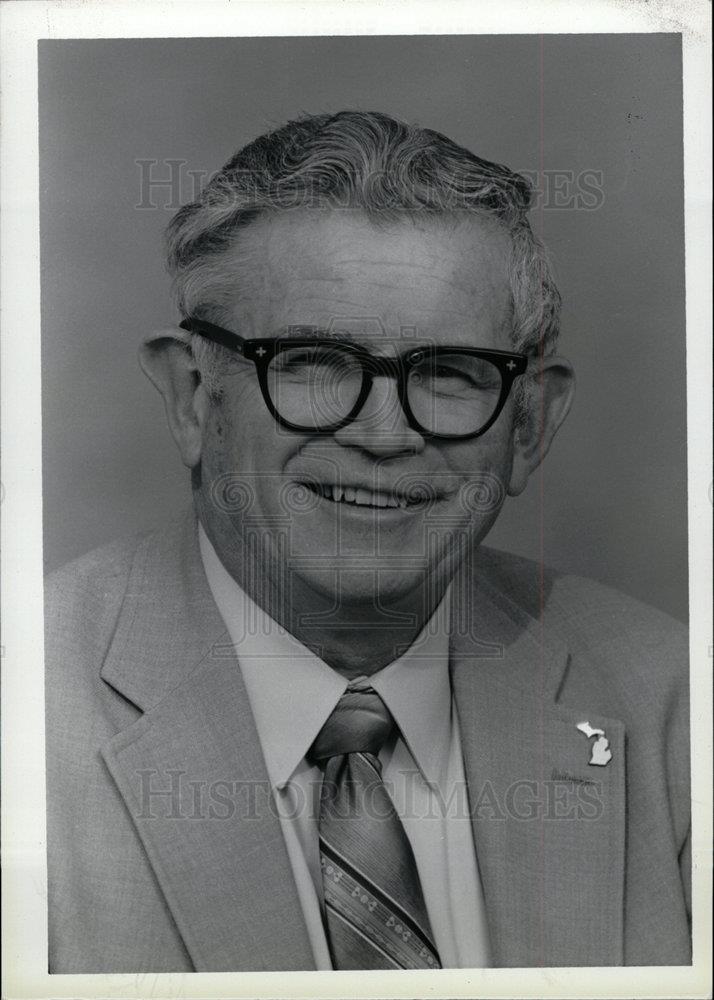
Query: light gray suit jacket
[580, 864]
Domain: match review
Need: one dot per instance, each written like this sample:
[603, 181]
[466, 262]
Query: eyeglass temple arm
[226, 338]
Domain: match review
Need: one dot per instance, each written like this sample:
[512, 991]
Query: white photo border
[23, 764]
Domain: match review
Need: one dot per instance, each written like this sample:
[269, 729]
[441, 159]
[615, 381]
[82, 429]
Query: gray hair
[362, 160]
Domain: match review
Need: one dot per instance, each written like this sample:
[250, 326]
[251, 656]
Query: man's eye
[473, 376]
[444, 372]
[468, 378]
[317, 360]
[292, 360]
[300, 361]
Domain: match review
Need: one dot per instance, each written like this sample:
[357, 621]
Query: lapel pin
[601, 752]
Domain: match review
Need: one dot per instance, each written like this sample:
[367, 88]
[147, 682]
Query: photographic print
[365, 509]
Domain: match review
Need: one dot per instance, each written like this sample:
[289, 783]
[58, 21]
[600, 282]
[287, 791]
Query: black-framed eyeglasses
[319, 385]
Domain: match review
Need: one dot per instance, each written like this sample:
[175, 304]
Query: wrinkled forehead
[350, 274]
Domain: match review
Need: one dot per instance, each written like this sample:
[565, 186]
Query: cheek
[246, 453]
[238, 426]
[484, 471]
[218, 437]
[486, 457]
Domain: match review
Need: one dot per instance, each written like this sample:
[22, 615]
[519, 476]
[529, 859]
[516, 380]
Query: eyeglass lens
[453, 393]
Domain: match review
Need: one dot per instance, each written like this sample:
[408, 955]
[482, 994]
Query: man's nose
[381, 426]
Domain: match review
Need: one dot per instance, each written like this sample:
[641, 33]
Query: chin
[363, 588]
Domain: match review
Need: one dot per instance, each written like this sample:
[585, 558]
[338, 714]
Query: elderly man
[318, 725]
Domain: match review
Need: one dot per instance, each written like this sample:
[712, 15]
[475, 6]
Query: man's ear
[167, 359]
[551, 398]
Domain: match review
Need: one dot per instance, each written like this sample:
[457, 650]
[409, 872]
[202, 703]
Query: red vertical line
[541, 483]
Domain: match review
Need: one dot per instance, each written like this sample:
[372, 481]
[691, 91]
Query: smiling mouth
[358, 497]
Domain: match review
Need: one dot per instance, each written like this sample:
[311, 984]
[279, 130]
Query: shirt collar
[292, 691]
[417, 691]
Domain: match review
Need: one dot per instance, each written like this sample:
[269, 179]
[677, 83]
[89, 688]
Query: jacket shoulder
[621, 637]
[84, 597]
[93, 574]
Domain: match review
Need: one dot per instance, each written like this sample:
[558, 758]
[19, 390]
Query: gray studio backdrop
[599, 116]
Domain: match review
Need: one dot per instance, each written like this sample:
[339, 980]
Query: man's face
[389, 287]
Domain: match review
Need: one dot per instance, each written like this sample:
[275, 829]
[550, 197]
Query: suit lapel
[548, 825]
[192, 774]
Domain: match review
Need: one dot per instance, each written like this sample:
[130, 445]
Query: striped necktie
[375, 912]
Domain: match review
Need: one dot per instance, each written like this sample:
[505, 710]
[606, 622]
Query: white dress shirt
[292, 692]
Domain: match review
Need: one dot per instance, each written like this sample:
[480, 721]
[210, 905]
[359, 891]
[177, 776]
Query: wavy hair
[362, 160]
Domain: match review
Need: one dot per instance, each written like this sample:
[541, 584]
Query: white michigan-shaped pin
[601, 752]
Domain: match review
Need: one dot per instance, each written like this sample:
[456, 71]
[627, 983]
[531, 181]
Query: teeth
[361, 497]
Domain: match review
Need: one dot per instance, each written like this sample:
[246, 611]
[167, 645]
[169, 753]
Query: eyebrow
[309, 330]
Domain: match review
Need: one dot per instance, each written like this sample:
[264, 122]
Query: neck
[359, 638]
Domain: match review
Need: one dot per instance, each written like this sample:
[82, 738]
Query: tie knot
[359, 723]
